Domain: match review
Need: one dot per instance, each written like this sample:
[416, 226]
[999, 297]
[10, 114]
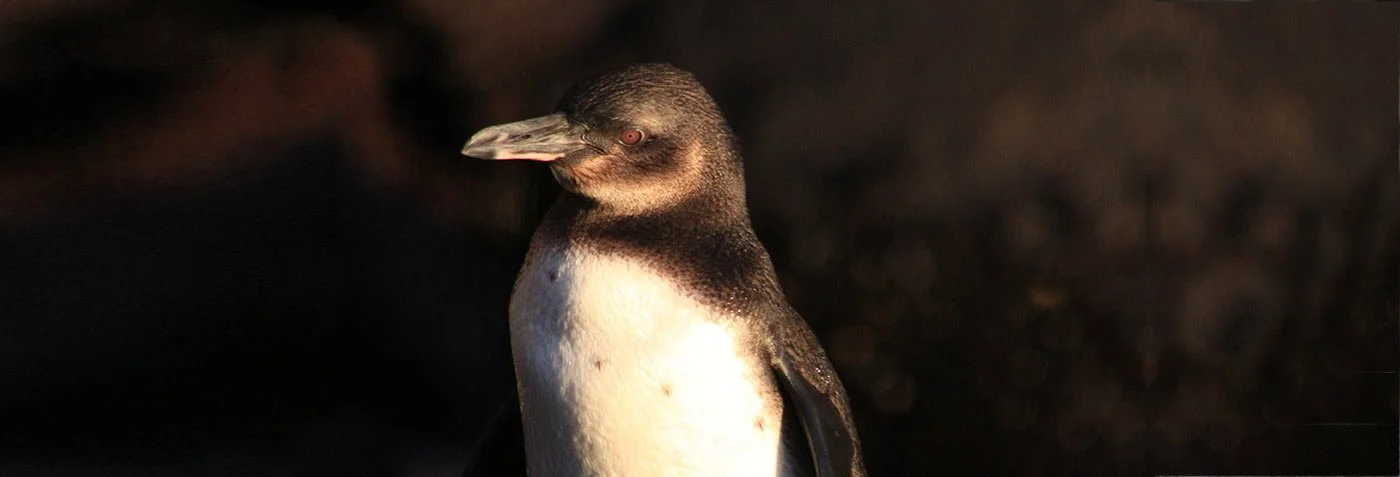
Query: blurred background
[1094, 238]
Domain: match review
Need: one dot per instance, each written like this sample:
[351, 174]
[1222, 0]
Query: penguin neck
[718, 201]
[575, 214]
[706, 242]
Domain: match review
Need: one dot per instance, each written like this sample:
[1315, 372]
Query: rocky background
[1098, 238]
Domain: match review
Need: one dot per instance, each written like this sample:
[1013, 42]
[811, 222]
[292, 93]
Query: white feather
[634, 378]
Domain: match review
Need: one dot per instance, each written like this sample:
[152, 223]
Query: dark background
[1093, 238]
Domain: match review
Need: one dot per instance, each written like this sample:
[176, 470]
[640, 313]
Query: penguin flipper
[500, 451]
[817, 395]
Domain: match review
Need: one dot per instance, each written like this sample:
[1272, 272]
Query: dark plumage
[652, 172]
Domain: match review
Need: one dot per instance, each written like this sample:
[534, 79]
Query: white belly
[622, 375]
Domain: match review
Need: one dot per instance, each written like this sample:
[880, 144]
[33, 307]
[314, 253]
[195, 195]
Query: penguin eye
[631, 137]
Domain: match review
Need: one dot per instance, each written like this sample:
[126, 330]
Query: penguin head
[638, 138]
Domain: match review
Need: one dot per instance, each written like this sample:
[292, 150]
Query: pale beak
[546, 138]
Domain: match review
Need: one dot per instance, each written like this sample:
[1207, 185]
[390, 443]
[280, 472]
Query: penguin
[649, 333]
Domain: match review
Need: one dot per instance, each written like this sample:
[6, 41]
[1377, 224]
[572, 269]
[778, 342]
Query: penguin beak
[546, 138]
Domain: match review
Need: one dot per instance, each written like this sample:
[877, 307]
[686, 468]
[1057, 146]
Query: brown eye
[631, 137]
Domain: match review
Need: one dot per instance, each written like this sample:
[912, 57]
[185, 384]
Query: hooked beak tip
[482, 144]
[473, 150]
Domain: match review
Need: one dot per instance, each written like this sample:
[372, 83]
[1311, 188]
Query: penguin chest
[622, 373]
